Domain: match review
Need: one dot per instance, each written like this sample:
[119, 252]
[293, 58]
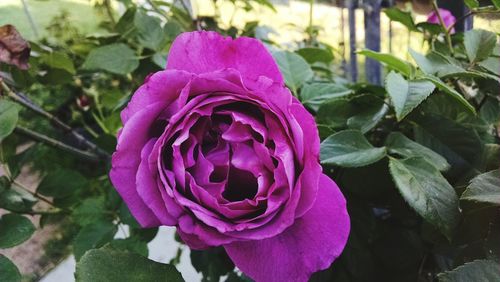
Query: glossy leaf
[484, 188]
[479, 44]
[294, 68]
[397, 143]
[106, 265]
[315, 94]
[62, 183]
[149, 31]
[116, 58]
[59, 60]
[9, 114]
[407, 95]
[8, 270]
[472, 4]
[313, 55]
[389, 60]
[92, 236]
[450, 91]
[405, 18]
[14, 230]
[427, 192]
[349, 148]
[435, 63]
[478, 270]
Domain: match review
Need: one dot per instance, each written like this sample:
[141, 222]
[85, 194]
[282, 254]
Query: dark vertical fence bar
[353, 69]
[372, 39]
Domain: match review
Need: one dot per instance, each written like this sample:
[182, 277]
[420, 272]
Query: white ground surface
[162, 249]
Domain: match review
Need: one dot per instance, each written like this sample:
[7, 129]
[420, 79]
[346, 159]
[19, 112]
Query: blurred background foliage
[417, 158]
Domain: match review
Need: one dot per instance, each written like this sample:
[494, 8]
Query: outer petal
[310, 245]
[205, 51]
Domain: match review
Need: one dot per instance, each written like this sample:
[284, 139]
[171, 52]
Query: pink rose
[447, 16]
[217, 146]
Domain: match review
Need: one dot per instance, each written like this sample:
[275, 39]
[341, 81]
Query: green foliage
[350, 148]
[478, 270]
[426, 191]
[402, 153]
[406, 95]
[484, 188]
[62, 183]
[14, 230]
[294, 68]
[479, 44]
[92, 236]
[116, 58]
[9, 272]
[108, 265]
[213, 263]
[9, 112]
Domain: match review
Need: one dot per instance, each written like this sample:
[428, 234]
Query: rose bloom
[217, 146]
[447, 16]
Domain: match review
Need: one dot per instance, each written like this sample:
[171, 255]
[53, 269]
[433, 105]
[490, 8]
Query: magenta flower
[218, 147]
[447, 16]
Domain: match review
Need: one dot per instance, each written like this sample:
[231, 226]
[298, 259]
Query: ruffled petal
[311, 244]
[205, 51]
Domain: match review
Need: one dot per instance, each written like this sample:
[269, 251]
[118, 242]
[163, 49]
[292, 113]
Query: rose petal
[310, 245]
[126, 161]
[205, 51]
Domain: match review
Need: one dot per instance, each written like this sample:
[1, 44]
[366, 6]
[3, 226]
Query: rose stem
[56, 144]
[57, 122]
[446, 32]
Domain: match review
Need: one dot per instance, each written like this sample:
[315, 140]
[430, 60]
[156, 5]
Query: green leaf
[435, 63]
[16, 200]
[131, 245]
[89, 211]
[484, 188]
[427, 192]
[399, 144]
[349, 148]
[14, 229]
[294, 68]
[314, 94]
[407, 95]
[472, 4]
[105, 265]
[9, 114]
[150, 33]
[491, 64]
[61, 183]
[116, 58]
[389, 60]
[93, 236]
[8, 270]
[479, 44]
[405, 18]
[313, 55]
[478, 270]
[59, 60]
[496, 3]
[450, 91]
[213, 263]
[451, 139]
[362, 112]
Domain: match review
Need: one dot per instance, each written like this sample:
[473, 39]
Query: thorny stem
[484, 10]
[311, 5]
[109, 11]
[443, 24]
[56, 144]
[35, 194]
[57, 122]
